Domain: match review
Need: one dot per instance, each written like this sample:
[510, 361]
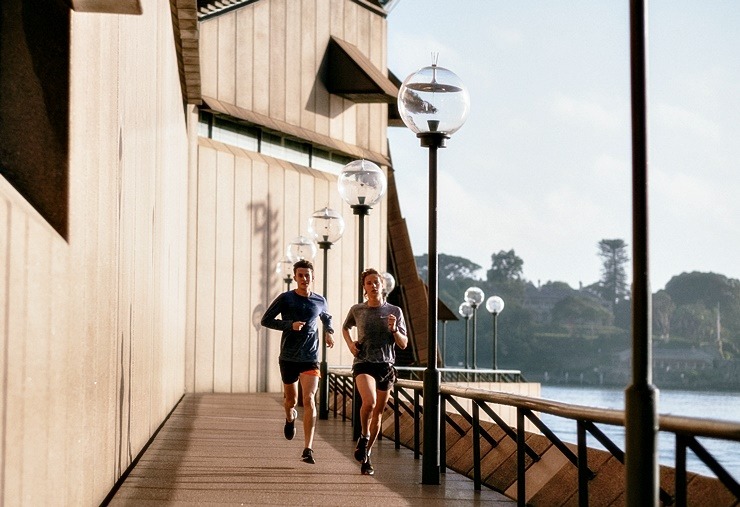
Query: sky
[543, 163]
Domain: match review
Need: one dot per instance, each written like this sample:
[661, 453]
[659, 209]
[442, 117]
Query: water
[707, 405]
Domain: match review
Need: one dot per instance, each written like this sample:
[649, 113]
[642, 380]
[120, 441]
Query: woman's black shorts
[383, 373]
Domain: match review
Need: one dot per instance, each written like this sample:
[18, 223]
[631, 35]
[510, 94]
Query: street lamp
[361, 184]
[326, 227]
[389, 283]
[466, 311]
[432, 102]
[285, 270]
[495, 305]
[474, 297]
[301, 248]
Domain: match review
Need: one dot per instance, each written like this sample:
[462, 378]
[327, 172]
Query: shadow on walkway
[230, 449]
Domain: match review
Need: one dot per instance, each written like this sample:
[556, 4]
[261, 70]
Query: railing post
[476, 446]
[583, 470]
[416, 424]
[521, 499]
[680, 479]
[396, 417]
[442, 434]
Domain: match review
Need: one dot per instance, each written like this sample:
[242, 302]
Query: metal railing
[408, 393]
[463, 374]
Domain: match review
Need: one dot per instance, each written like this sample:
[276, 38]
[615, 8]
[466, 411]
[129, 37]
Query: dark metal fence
[408, 393]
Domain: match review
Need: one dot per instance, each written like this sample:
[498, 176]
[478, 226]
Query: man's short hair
[303, 263]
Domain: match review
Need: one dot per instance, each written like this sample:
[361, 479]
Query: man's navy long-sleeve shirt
[303, 345]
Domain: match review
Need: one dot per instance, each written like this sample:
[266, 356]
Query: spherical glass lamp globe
[433, 99]
[284, 268]
[301, 248]
[326, 225]
[362, 183]
[474, 296]
[465, 310]
[389, 283]
[495, 305]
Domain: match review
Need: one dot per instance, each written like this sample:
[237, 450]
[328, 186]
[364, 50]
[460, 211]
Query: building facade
[157, 157]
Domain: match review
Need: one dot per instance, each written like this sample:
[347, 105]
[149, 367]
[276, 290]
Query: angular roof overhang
[285, 128]
[351, 75]
[185, 25]
[106, 6]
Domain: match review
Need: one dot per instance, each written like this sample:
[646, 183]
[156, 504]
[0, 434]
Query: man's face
[303, 277]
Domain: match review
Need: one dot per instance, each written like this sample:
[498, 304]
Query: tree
[505, 266]
[613, 283]
[457, 268]
[663, 308]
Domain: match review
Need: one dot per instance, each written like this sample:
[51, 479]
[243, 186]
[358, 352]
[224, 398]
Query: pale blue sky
[543, 165]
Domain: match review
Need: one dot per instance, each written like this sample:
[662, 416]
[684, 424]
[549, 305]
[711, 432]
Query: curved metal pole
[641, 398]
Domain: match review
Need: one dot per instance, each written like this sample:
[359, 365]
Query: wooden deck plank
[229, 448]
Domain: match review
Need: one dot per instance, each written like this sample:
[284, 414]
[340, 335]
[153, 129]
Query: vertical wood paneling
[16, 356]
[226, 59]
[295, 100]
[245, 78]
[36, 389]
[76, 405]
[5, 211]
[306, 65]
[58, 401]
[261, 54]
[240, 377]
[277, 58]
[267, 250]
[224, 276]
[321, 101]
[291, 192]
[208, 48]
[205, 285]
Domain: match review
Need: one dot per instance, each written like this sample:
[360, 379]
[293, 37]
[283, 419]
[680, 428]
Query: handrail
[686, 429]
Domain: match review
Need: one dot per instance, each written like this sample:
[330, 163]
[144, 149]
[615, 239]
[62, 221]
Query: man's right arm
[270, 320]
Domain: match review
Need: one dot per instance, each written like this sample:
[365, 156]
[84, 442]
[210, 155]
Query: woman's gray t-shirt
[375, 341]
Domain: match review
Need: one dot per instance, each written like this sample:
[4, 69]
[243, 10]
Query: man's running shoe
[361, 449]
[367, 467]
[308, 456]
[289, 429]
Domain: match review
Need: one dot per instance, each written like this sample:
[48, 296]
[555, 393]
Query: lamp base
[433, 139]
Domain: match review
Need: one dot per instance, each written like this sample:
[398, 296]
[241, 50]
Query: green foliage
[563, 331]
[505, 266]
[580, 310]
[613, 253]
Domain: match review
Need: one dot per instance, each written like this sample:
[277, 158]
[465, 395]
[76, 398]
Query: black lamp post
[495, 305]
[433, 103]
[285, 270]
[326, 226]
[641, 396]
[466, 311]
[474, 297]
[361, 184]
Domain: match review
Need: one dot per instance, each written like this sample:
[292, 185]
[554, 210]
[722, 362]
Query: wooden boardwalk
[229, 449]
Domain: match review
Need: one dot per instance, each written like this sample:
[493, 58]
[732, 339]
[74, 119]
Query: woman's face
[372, 286]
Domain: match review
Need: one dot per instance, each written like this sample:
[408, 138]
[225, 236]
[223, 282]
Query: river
[707, 405]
